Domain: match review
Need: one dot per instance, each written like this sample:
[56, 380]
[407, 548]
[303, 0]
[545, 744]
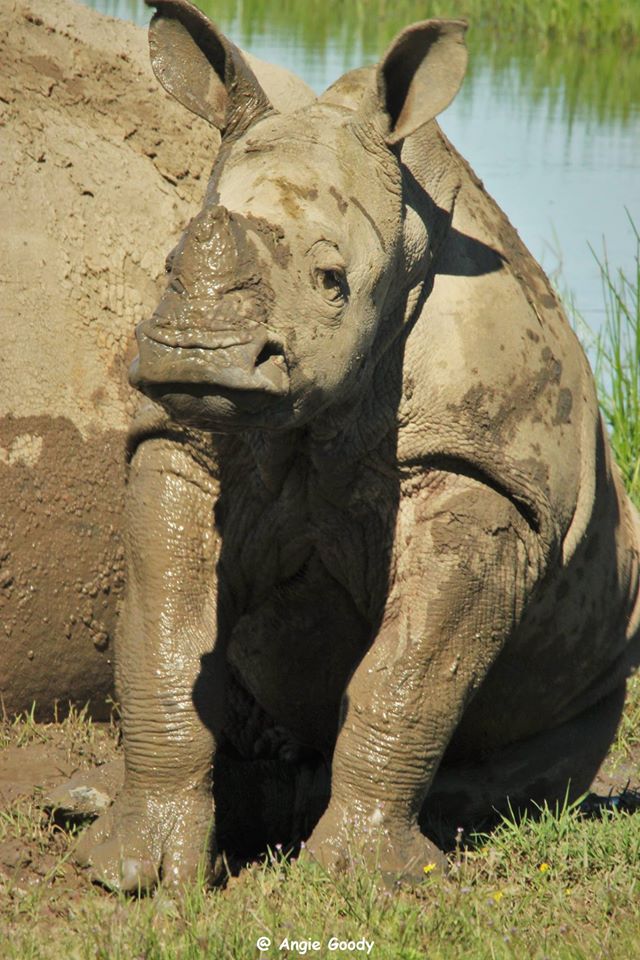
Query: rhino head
[312, 247]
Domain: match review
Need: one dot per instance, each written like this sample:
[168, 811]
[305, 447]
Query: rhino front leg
[466, 561]
[160, 823]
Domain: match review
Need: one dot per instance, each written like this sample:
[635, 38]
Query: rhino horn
[202, 69]
[417, 78]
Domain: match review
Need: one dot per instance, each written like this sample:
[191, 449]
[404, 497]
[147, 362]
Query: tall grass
[617, 366]
[590, 22]
[580, 54]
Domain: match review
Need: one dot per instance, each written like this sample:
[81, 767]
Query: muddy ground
[100, 172]
[35, 845]
[37, 760]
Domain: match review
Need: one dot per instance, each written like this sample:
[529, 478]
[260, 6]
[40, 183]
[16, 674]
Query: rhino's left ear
[418, 77]
[202, 69]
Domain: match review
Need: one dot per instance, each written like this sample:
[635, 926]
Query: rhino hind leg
[551, 767]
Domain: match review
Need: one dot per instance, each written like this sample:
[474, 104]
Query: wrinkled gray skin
[373, 523]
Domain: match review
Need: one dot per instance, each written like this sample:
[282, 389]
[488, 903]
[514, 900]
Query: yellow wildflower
[428, 867]
[497, 896]
[543, 867]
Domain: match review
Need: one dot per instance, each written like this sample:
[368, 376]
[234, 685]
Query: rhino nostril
[270, 351]
[271, 366]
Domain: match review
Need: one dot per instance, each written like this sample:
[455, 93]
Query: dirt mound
[100, 171]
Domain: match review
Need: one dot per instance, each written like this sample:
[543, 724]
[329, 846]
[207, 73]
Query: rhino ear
[418, 76]
[202, 69]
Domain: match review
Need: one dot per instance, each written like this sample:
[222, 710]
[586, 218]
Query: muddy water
[553, 130]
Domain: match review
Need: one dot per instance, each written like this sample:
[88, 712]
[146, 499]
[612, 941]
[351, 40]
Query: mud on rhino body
[374, 531]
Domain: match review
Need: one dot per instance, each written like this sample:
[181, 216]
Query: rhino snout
[250, 360]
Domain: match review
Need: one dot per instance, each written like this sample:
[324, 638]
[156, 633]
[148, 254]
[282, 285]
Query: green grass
[577, 56]
[617, 366]
[626, 746]
[76, 730]
[561, 886]
[594, 22]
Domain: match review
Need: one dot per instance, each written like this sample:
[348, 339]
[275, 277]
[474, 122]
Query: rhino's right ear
[417, 78]
[202, 69]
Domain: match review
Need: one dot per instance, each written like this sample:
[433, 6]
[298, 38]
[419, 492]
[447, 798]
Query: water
[553, 131]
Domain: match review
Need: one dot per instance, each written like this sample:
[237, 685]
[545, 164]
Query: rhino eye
[332, 284]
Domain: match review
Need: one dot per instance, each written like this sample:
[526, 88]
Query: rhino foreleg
[160, 822]
[466, 561]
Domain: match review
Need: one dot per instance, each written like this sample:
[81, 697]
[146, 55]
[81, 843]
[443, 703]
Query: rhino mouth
[243, 364]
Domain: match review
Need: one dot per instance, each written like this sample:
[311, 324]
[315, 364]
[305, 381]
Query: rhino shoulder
[496, 376]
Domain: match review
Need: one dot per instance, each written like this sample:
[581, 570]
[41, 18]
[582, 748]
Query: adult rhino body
[101, 172]
[422, 578]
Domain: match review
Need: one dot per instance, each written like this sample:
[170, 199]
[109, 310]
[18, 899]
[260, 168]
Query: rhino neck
[339, 443]
[274, 455]
[361, 432]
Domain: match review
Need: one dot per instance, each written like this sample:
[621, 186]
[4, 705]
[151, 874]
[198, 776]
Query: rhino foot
[145, 838]
[398, 853]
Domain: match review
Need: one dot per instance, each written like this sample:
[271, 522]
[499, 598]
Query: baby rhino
[381, 566]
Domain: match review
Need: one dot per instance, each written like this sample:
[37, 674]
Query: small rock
[89, 792]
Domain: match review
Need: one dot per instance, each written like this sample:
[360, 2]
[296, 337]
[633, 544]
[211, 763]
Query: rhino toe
[141, 841]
